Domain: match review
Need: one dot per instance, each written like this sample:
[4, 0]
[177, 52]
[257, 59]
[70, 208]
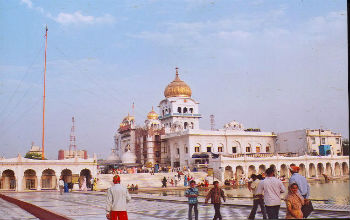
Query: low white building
[20, 174]
[307, 141]
[243, 166]
[184, 148]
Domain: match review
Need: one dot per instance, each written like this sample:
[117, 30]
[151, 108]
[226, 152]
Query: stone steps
[146, 180]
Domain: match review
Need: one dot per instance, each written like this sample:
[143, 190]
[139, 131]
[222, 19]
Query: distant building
[308, 141]
[35, 149]
[66, 154]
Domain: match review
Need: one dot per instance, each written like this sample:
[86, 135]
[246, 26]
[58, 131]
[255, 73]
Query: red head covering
[295, 168]
[116, 179]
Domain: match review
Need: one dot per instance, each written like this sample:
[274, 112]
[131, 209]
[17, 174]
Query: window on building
[247, 149]
[169, 110]
[323, 140]
[192, 125]
[186, 150]
[196, 149]
[185, 110]
[157, 154]
[191, 110]
[208, 149]
[234, 150]
[258, 149]
[163, 112]
[185, 125]
[337, 140]
[179, 109]
[313, 141]
[267, 149]
[178, 151]
[157, 138]
[219, 149]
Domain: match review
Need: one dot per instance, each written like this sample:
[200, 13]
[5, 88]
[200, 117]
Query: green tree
[32, 155]
[345, 146]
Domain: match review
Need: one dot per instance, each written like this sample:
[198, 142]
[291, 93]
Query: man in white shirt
[272, 189]
[117, 199]
[61, 185]
[257, 200]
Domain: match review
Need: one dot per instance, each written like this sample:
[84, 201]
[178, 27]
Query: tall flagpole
[43, 135]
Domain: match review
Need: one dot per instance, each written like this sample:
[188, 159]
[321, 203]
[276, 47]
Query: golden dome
[129, 118]
[152, 114]
[177, 88]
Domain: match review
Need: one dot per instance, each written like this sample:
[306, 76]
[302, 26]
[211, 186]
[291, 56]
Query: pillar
[39, 182]
[19, 183]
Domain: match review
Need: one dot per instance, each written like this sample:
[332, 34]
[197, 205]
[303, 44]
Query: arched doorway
[284, 171]
[87, 174]
[337, 171]
[329, 169]
[239, 172]
[302, 170]
[345, 168]
[251, 170]
[66, 175]
[320, 169]
[48, 179]
[273, 167]
[262, 168]
[228, 173]
[8, 180]
[312, 170]
[30, 180]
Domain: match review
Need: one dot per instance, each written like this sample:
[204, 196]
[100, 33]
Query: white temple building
[174, 138]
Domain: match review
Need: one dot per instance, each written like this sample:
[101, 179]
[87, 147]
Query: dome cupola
[152, 115]
[177, 88]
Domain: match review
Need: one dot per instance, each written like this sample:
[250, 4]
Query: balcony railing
[180, 114]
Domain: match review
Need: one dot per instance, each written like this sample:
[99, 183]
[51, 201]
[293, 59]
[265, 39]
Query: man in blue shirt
[192, 194]
[303, 185]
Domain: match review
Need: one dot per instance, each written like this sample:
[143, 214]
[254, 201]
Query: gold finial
[177, 71]
[152, 108]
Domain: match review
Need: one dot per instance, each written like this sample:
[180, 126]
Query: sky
[274, 65]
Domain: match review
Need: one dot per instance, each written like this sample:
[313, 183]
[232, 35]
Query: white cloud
[78, 18]
[71, 18]
[28, 3]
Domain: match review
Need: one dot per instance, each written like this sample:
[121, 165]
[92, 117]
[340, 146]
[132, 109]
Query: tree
[33, 155]
[345, 147]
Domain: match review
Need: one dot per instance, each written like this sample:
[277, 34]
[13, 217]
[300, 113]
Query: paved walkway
[91, 206]
[9, 211]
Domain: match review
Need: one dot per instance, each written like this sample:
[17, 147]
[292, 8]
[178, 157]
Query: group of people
[267, 194]
[64, 186]
[132, 187]
[266, 191]
[214, 195]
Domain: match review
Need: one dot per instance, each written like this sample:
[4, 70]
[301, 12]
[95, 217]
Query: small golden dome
[152, 114]
[177, 88]
[129, 118]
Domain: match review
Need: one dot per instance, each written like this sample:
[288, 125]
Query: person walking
[192, 194]
[164, 181]
[215, 195]
[294, 202]
[272, 189]
[61, 185]
[83, 185]
[117, 199]
[257, 200]
[92, 183]
[303, 189]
